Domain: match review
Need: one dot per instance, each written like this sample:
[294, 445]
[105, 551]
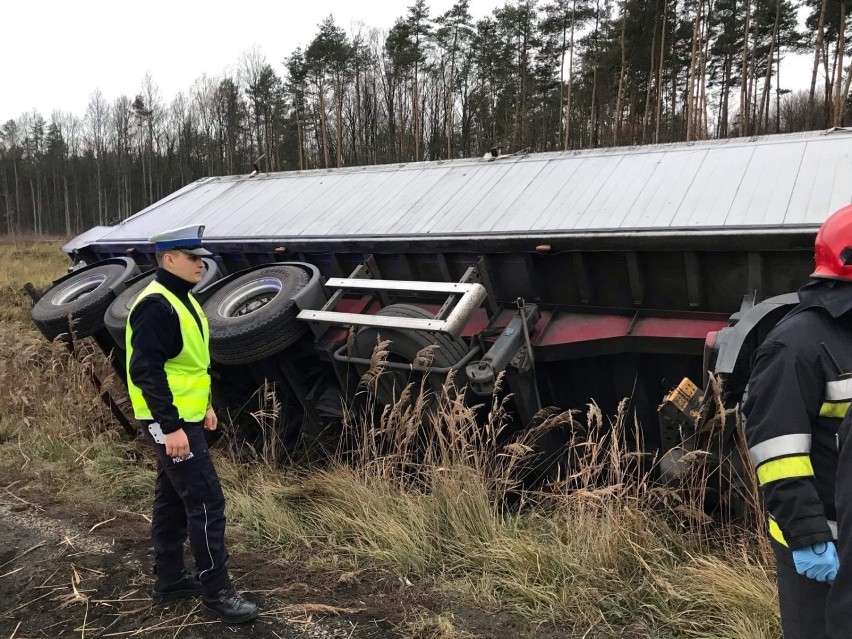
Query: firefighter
[797, 395]
[168, 380]
[839, 609]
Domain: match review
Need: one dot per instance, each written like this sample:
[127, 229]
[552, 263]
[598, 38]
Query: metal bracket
[472, 295]
[481, 275]
[476, 274]
[470, 276]
[361, 272]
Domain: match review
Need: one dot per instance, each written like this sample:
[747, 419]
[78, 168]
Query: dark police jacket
[157, 338]
[799, 390]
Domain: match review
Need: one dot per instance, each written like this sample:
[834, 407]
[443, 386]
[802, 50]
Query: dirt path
[58, 577]
[84, 571]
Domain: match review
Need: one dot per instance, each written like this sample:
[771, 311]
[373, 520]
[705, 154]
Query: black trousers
[188, 502]
[802, 600]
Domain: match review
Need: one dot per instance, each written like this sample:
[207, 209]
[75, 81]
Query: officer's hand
[818, 561]
[177, 445]
[210, 420]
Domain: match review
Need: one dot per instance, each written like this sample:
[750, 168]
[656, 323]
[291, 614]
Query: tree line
[536, 75]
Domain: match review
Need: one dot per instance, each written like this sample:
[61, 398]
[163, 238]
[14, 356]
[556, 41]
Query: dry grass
[26, 260]
[430, 493]
[434, 627]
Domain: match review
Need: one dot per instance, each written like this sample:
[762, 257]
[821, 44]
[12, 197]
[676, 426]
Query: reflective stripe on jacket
[187, 373]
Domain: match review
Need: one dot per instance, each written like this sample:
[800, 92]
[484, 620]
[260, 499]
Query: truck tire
[403, 348]
[254, 316]
[115, 318]
[85, 297]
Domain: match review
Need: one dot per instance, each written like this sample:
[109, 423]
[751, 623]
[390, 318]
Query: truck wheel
[403, 348]
[254, 316]
[115, 318]
[85, 297]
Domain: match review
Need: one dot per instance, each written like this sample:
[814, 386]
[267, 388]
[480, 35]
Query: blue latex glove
[819, 562]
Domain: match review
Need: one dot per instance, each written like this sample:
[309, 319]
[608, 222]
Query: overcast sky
[56, 52]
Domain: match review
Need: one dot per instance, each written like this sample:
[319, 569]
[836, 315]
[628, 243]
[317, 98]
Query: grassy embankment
[609, 554]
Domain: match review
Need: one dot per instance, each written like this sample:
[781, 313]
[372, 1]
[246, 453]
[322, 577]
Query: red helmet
[833, 247]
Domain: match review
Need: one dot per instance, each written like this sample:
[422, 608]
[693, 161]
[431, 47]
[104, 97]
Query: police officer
[798, 393]
[169, 385]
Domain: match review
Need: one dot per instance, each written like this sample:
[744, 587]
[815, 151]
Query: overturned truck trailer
[622, 270]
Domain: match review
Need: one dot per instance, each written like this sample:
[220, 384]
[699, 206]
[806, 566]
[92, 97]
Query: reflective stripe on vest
[187, 373]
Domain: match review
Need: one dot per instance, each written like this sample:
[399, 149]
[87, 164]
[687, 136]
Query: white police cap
[186, 239]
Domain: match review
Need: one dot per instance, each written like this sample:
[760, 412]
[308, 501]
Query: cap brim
[201, 252]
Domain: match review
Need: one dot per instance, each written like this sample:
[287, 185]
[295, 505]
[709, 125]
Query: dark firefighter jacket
[798, 393]
[157, 338]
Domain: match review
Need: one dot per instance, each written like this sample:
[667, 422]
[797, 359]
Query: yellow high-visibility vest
[187, 374]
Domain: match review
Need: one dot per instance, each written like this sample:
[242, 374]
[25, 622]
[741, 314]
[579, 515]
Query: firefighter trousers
[802, 600]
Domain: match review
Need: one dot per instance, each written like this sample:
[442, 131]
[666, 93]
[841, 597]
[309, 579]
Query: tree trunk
[744, 74]
[300, 138]
[764, 96]
[593, 110]
[726, 96]
[752, 80]
[339, 119]
[660, 73]
[705, 38]
[829, 91]
[674, 72]
[7, 200]
[151, 159]
[450, 97]
[18, 211]
[415, 116]
[651, 68]
[817, 51]
[777, 89]
[67, 208]
[40, 204]
[562, 78]
[838, 83]
[35, 208]
[100, 189]
[845, 96]
[524, 83]
[357, 128]
[567, 144]
[691, 97]
[620, 97]
[323, 128]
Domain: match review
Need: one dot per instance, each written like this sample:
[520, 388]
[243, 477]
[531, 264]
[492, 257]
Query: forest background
[535, 75]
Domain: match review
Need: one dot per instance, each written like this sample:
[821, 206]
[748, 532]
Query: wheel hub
[78, 290]
[250, 297]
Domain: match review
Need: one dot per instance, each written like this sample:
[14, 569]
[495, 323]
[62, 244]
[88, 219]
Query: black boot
[229, 607]
[184, 587]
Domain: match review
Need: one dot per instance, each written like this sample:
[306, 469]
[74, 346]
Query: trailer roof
[775, 182]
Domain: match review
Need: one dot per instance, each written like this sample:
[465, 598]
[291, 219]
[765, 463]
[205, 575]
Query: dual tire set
[251, 316]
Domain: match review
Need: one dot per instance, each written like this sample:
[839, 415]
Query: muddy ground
[77, 570]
